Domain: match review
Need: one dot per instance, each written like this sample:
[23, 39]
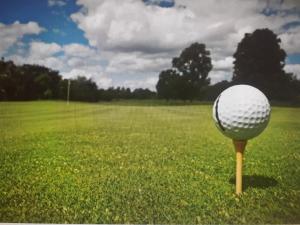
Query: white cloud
[104, 81]
[223, 64]
[50, 62]
[91, 71]
[40, 50]
[79, 50]
[131, 42]
[11, 34]
[149, 83]
[293, 68]
[136, 62]
[73, 60]
[56, 3]
[44, 54]
[219, 75]
[136, 34]
[79, 72]
[222, 69]
[290, 40]
[132, 26]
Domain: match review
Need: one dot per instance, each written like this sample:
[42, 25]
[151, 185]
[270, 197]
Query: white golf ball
[241, 112]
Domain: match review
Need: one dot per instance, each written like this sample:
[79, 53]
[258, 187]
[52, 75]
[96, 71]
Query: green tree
[168, 84]
[83, 89]
[141, 93]
[259, 61]
[189, 75]
[193, 64]
[7, 83]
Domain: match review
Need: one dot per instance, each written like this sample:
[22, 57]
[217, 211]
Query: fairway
[142, 162]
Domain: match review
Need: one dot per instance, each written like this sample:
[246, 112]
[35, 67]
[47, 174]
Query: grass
[142, 163]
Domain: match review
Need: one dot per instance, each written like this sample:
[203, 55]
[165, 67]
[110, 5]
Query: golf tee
[239, 149]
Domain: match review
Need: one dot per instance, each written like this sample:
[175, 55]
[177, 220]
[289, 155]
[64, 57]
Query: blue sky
[55, 19]
[128, 42]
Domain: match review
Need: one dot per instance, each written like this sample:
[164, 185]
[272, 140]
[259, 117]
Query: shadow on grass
[256, 181]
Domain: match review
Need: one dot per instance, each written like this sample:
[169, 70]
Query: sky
[128, 42]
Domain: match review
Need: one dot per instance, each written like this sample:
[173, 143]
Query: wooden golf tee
[239, 149]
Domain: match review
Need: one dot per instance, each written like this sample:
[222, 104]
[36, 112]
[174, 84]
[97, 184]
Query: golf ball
[241, 112]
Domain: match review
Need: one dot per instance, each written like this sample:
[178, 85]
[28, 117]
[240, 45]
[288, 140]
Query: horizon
[106, 41]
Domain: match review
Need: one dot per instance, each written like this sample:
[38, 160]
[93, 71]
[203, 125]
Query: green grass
[142, 163]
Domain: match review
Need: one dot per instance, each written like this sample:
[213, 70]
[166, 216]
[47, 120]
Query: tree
[259, 61]
[194, 63]
[189, 74]
[83, 89]
[168, 84]
[31, 82]
[141, 93]
[7, 81]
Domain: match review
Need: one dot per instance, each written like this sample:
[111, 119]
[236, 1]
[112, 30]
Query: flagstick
[68, 94]
[239, 149]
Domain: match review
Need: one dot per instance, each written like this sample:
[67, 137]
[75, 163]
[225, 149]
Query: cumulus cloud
[12, 33]
[79, 50]
[293, 68]
[223, 64]
[149, 82]
[93, 72]
[219, 75]
[42, 50]
[290, 40]
[137, 32]
[137, 62]
[41, 53]
[132, 26]
[130, 42]
[71, 60]
[51, 53]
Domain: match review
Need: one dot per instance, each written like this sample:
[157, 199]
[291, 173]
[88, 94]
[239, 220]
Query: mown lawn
[142, 163]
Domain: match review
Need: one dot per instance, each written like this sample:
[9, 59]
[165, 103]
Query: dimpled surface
[241, 112]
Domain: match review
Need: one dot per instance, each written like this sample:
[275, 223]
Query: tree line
[258, 61]
[33, 82]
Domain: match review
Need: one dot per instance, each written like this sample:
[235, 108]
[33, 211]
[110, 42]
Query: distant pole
[68, 95]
